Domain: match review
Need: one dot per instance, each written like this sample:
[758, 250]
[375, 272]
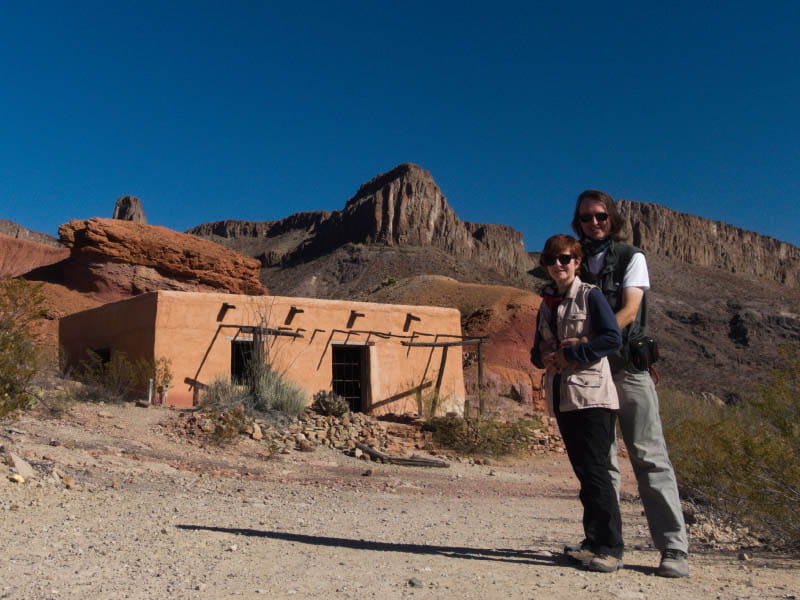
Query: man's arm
[631, 299]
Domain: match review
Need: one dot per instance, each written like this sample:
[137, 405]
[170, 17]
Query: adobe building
[381, 357]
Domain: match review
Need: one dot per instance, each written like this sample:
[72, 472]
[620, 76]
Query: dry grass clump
[485, 436]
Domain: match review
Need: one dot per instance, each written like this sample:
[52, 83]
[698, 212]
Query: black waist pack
[643, 352]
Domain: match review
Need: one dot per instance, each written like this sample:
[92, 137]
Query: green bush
[330, 403]
[485, 436]
[20, 307]
[264, 390]
[269, 390]
[743, 461]
[119, 379]
[229, 423]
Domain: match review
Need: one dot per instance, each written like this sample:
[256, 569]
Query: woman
[575, 330]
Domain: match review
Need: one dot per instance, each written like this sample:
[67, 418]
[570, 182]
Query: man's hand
[573, 341]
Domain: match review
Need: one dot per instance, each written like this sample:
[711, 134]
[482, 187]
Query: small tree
[21, 306]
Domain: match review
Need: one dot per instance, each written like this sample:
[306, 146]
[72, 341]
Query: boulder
[129, 208]
[522, 392]
[113, 259]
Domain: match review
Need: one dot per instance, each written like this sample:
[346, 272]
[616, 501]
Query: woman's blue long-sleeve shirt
[606, 336]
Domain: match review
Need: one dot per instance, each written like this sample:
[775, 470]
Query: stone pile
[307, 432]
[396, 438]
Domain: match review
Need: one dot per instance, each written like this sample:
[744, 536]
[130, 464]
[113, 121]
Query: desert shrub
[484, 436]
[330, 403]
[744, 460]
[119, 379]
[269, 390]
[264, 390]
[229, 423]
[20, 307]
[222, 395]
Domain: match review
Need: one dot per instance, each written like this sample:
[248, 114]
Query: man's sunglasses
[548, 260]
[601, 218]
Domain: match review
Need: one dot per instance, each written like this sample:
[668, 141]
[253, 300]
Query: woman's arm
[536, 351]
[606, 336]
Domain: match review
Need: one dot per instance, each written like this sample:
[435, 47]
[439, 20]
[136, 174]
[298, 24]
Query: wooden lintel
[469, 342]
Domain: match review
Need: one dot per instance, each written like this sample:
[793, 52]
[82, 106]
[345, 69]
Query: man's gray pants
[640, 423]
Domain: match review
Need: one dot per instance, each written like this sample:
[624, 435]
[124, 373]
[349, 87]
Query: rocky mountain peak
[402, 207]
[129, 208]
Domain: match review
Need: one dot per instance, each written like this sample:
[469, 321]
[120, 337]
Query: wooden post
[480, 379]
[439, 378]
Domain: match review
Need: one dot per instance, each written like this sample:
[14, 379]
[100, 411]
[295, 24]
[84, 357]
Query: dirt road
[147, 515]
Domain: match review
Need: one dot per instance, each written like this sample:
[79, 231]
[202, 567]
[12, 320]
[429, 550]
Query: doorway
[350, 379]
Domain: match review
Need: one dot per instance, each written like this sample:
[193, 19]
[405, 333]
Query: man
[620, 270]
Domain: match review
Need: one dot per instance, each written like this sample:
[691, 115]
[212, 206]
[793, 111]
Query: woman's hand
[554, 362]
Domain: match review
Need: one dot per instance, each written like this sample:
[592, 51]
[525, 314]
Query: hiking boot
[579, 552]
[604, 563]
[674, 563]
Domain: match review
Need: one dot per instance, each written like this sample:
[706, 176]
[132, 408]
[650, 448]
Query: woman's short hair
[616, 232]
[561, 244]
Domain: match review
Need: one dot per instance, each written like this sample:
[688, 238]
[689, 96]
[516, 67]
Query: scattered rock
[414, 582]
[16, 478]
[21, 466]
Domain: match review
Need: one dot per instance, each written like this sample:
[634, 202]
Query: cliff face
[403, 207]
[697, 241]
[13, 230]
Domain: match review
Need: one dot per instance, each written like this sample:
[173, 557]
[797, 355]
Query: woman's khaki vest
[583, 385]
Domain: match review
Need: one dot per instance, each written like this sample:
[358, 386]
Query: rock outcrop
[13, 230]
[403, 207]
[272, 242]
[129, 208]
[697, 241]
[19, 256]
[115, 259]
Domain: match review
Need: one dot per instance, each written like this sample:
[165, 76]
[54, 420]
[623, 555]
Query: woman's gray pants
[640, 423]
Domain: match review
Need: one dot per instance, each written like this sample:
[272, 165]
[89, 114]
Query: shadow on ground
[529, 557]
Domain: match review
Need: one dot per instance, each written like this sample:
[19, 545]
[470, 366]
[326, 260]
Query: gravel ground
[146, 514]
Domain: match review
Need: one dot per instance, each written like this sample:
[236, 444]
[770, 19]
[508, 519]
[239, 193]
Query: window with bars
[350, 374]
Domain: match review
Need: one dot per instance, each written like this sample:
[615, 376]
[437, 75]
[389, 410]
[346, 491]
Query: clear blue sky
[256, 110]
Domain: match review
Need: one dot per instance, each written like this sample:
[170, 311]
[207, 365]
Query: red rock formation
[115, 259]
[18, 256]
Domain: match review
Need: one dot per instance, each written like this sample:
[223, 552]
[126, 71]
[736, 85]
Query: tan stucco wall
[188, 333]
[125, 326]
